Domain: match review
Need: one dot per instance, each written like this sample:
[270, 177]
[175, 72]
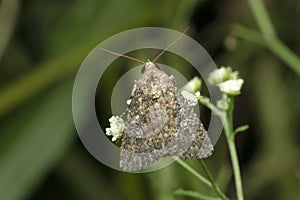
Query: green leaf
[240, 129]
[194, 194]
[45, 135]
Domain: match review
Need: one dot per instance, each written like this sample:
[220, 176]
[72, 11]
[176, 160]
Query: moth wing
[144, 139]
[160, 123]
[201, 146]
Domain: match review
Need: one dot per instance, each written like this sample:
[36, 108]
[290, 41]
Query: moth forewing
[160, 123]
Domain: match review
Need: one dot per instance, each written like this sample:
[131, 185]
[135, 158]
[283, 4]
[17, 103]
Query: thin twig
[193, 194]
[194, 172]
[277, 47]
[228, 126]
[212, 181]
[263, 19]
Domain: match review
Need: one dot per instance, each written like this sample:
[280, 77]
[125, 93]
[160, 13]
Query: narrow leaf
[194, 194]
[38, 145]
[241, 129]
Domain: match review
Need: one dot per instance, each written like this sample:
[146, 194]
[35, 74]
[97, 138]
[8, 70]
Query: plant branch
[205, 101]
[228, 126]
[211, 179]
[277, 47]
[229, 133]
[194, 194]
[194, 172]
[263, 19]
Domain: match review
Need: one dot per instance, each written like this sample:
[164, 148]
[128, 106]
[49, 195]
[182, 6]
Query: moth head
[149, 66]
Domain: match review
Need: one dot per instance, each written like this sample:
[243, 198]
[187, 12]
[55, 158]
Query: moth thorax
[149, 66]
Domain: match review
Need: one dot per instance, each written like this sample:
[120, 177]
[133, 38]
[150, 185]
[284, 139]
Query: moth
[160, 121]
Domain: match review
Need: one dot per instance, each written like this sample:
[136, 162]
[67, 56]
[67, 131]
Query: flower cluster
[193, 85]
[116, 129]
[229, 84]
[227, 81]
[224, 78]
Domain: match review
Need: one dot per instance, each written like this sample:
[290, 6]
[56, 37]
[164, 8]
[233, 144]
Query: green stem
[228, 126]
[263, 19]
[248, 34]
[195, 195]
[211, 179]
[277, 47]
[205, 101]
[269, 37]
[284, 53]
[229, 132]
[194, 172]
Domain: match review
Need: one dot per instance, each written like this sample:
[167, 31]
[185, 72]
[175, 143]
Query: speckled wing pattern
[160, 123]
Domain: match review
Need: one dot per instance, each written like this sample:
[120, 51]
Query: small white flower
[128, 101]
[107, 131]
[222, 74]
[217, 76]
[231, 87]
[234, 75]
[116, 129]
[193, 85]
[197, 94]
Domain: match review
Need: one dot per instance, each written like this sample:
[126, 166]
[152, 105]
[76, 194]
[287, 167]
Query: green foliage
[35, 147]
[195, 195]
[43, 44]
[241, 129]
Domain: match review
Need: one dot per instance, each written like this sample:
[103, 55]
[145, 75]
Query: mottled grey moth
[160, 122]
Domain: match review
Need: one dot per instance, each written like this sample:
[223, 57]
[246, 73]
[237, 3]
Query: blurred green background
[42, 44]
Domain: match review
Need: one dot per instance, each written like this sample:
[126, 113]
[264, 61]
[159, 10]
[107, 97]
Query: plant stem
[194, 194]
[194, 172]
[248, 34]
[205, 101]
[211, 179]
[228, 126]
[271, 41]
[277, 47]
[210, 183]
[263, 19]
[229, 132]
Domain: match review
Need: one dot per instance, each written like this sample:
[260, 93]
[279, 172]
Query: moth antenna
[121, 55]
[161, 53]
